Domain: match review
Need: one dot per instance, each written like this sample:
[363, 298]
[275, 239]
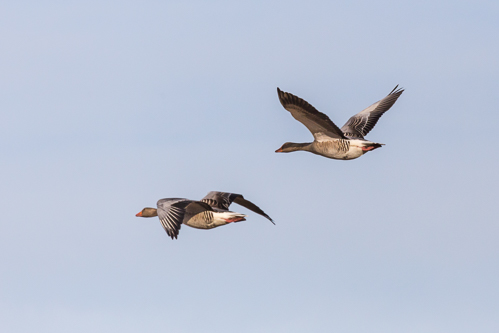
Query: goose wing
[222, 200]
[317, 122]
[171, 212]
[363, 122]
[196, 207]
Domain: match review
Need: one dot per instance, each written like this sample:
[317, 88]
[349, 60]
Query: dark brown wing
[317, 122]
[222, 200]
[196, 207]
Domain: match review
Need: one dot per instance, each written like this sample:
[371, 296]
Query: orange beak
[279, 150]
[139, 214]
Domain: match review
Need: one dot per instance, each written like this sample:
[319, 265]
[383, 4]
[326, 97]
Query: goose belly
[203, 220]
[337, 149]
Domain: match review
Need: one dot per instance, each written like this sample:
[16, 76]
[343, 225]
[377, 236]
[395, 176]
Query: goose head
[147, 212]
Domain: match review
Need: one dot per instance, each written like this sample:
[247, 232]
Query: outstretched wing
[317, 122]
[222, 200]
[171, 213]
[359, 125]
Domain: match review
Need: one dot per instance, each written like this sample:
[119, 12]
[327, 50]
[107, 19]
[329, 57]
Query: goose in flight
[346, 143]
[210, 212]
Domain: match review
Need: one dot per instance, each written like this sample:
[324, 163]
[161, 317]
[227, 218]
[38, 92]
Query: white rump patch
[222, 216]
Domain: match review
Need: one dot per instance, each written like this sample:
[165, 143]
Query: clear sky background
[107, 107]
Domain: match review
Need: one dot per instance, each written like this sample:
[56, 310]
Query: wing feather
[222, 200]
[171, 213]
[363, 122]
[317, 122]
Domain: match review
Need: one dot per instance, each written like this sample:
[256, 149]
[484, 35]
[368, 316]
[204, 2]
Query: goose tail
[229, 216]
[368, 146]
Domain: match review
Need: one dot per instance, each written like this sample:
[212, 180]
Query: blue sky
[107, 107]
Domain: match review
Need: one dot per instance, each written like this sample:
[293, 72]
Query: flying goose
[346, 143]
[210, 212]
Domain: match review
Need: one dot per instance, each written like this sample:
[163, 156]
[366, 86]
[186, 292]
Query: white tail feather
[228, 217]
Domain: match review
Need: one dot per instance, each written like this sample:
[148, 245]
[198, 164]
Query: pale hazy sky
[107, 107]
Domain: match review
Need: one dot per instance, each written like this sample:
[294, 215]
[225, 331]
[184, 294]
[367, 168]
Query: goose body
[330, 141]
[211, 212]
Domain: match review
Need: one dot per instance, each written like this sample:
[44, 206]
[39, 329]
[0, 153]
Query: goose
[210, 212]
[346, 143]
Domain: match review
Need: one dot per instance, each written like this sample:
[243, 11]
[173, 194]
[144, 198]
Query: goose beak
[279, 150]
[138, 214]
